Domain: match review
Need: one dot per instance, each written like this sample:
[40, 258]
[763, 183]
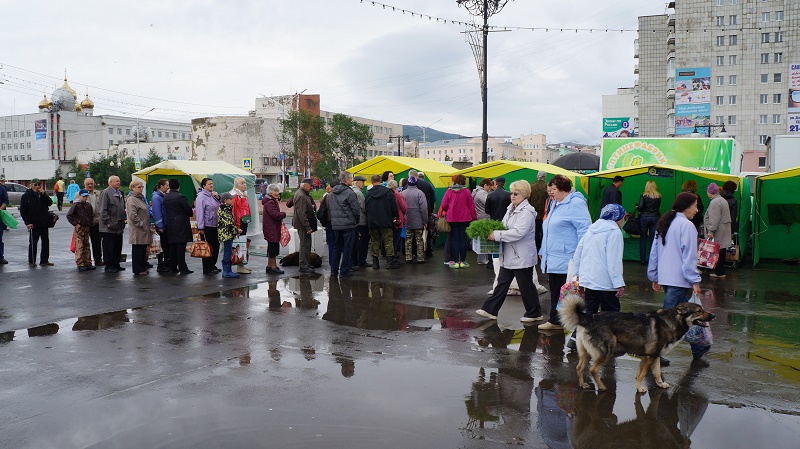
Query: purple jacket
[205, 209]
[459, 205]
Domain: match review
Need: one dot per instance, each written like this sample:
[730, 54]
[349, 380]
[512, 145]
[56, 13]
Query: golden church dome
[87, 103]
[45, 103]
[69, 89]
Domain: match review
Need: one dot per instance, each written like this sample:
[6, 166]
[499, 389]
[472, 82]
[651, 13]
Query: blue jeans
[330, 238]
[342, 250]
[674, 296]
[458, 241]
[227, 253]
[646, 238]
[2, 245]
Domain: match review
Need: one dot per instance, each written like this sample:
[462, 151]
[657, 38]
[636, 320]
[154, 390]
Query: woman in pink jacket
[459, 209]
[397, 241]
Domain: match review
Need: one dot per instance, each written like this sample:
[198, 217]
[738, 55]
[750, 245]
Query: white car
[15, 192]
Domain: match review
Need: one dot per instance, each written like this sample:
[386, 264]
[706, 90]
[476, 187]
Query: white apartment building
[470, 149]
[620, 113]
[746, 46]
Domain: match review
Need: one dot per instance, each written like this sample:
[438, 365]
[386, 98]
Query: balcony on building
[671, 92]
[671, 54]
[671, 38]
[636, 48]
[670, 131]
[671, 111]
[671, 5]
[671, 20]
[636, 69]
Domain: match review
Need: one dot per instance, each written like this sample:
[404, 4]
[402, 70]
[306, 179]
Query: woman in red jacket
[241, 212]
[399, 243]
[271, 226]
[459, 209]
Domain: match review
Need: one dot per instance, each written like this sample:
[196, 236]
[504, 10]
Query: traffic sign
[137, 165]
[282, 156]
[247, 163]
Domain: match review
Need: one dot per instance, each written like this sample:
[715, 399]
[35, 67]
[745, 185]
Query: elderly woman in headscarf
[597, 261]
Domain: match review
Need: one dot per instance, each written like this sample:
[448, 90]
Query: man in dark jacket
[361, 245]
[537, 199]
[612, 194]
[112, 224]
[345, 212]
[382, 212]
[430, 198]
[497, 202]
[178, 227]
[304, 221]
[34, 208]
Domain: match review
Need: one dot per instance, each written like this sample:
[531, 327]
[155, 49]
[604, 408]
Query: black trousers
[177, 257]
[139, 258]
[601, 300]
[34, 235]
[530, 297]
[97, 244]
[60, 200]
[556, 280]
[719, 269]
[361, 244]
[212, 237]
[163, 258]
[112, 249]
[539, 234]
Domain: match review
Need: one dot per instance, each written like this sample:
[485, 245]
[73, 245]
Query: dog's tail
[573, 312]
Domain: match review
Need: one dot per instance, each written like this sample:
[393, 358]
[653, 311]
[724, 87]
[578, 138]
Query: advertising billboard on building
[794, 99]
[40, 130]
[692, 99]
[617, 127]
[714, 154]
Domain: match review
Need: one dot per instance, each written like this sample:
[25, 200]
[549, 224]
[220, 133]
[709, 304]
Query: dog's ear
[682, 308]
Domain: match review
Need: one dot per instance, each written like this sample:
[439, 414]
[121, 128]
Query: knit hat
[613, 212]
[541, 175]
[174, 184]
[412, 181]
[713, 189]
[225, 196]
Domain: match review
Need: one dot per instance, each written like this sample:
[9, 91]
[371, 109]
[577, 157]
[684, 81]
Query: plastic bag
[285, 236]
[699, 335]
[239, 256]
[571, 287]
[708, 254]
[155, 247]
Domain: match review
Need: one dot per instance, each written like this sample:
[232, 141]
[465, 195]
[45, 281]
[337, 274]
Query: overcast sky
[196, 58]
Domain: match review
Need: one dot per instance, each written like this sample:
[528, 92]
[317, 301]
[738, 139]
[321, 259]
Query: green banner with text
[703, 154]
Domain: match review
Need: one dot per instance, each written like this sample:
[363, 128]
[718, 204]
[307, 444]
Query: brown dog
[646, 335]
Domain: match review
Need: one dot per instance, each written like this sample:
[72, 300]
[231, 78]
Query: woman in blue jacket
[564, 227]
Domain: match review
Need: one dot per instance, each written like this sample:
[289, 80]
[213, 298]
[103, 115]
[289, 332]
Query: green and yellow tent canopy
[512, 171]
[400, 165]
[776, 211]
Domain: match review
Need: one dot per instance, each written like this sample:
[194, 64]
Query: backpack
[323, 213]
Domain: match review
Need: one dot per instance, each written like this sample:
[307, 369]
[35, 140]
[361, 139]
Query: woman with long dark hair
[673, 259]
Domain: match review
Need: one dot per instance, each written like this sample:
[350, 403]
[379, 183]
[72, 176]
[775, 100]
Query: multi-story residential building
[745, 49]
[34, 145]
[469, 150]
[620, 113]
[535, 148]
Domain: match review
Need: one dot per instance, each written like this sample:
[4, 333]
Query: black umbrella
[578, 162]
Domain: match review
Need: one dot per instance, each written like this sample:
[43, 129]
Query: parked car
[15, 192]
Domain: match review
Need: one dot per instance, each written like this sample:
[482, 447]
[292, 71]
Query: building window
[174, 135]
[720, 40]
[732, 80]
[28, 133]
[764, 99]
[765, 17]
[721, 60]
[720, 100]
[2, 135]
[127, 131]
[762, 161]
[15, 133]
[28, 145]
[765, 58]
[732, 99]
[776, 98]
[776, 119]
[111, 131]
[719, 120]
[734, 2]
[731, 119]
[765, 38]
[778, 77]
[720, 21]
[16, 146]
[732, 59]
[110, 142]
[778, 57]
[733, 20]
[733, 40]
[762, 139]
[762, 119]
[720, 81]
[764, 78]
[159, 134]
[779, 36]
[779, 15]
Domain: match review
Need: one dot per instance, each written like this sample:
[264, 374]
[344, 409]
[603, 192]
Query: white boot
[539, 287]
[241, 269]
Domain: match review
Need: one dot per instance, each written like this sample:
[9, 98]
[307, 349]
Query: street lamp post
[400, 140]
[138, 134]
[484, 9]
[722, 132]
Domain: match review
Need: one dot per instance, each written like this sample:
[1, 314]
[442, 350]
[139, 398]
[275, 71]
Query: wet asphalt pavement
[383, 359]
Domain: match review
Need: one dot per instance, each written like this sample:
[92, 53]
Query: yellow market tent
[400, 165]
[512, 171]
[669, 179]
[776, 211]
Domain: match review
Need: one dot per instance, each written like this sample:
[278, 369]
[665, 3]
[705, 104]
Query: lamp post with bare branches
[485, 9]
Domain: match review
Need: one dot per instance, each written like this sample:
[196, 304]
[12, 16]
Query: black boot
[392, 264]
[375, 264]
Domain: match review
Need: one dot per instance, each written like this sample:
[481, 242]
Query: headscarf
[713, 189]
[613, 212]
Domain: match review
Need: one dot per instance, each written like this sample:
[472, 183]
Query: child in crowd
[227, 232]
[80, 215]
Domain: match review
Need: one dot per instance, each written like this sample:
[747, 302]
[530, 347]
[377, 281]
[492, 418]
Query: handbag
[708, 254]
[733, 253]
[634, 224]
[285, 236]
[442, 225]
[53, 220]
[699, 335]
[201, 249]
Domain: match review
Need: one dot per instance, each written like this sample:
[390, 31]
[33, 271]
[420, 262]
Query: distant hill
[431, 135]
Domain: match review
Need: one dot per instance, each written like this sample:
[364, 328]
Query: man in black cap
[497, 202]
[304, 221]
[112, 224]
[34, 208]
[361, 245]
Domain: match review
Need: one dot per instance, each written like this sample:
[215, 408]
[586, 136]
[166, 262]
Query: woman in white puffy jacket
[517, 256]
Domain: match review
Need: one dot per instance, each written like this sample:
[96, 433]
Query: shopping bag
[8, 219]
[155, 247]
[72, 243]
[571, 287]
[285, 236]
[239, 255]
[403, 232]
[708, 254]
[733, 253]
[201, 249]
[442, 225]
[699, 335]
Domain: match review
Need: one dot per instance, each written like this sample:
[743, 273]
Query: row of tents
[767, 210]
